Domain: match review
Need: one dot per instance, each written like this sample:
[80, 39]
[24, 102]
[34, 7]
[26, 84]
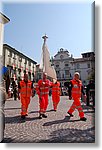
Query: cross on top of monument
[45, 37]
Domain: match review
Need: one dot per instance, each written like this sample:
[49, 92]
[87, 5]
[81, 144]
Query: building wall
[18, 63]
[65, 66]
[1, 37]
[61, 62]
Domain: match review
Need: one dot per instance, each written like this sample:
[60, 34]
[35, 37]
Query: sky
[67, 25]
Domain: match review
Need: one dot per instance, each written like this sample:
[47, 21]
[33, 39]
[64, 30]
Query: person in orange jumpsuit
[43, 92]
[25, 88]
[75, 89]
[55, 93]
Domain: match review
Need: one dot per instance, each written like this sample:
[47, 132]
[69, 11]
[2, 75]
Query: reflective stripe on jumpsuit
[55, 94]
[76, 94]
[25, 94]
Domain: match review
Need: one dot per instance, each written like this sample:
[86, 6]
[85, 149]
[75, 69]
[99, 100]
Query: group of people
[26, 90]
[75, 90]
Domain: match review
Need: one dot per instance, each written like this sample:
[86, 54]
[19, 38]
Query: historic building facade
[18, 63]
[65, 65]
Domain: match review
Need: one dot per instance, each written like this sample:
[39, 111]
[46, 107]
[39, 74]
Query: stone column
[3, 20]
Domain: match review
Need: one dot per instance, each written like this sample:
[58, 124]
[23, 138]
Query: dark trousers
[90, 94]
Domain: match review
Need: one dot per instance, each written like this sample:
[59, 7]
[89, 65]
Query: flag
[3, 70]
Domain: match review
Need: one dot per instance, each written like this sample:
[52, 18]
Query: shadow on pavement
[66, 119]
[31, 119]
[63, 136]
[71, 136]
[31, 112]
[17, 119]
[6, 140]
[11, 108]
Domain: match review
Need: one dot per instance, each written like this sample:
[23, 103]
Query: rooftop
[23, 55]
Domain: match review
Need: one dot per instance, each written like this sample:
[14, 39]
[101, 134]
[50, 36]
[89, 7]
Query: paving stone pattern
[58, 127]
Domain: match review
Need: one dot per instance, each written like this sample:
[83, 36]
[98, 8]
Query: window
[61, 56]
[25, 61]
[66, 65]
[29, 63]
[9, 60]
[63, 75]
[9, 54]
[57, 66]
[77, 66]
[14, 57]
[57, 72]
[88, 65]
[66, 72]
[20, 59]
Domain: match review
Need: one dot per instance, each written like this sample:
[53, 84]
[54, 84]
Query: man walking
[90, 91]
[43, 92]
[15, 92]
[75, 89]
[25, 88]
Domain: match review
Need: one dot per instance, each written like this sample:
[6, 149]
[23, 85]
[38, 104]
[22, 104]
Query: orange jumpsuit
[76, 95]
[55, 94]
[25, 93]
[43, 93]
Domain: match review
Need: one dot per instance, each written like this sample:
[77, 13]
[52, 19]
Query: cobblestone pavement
[58, 127]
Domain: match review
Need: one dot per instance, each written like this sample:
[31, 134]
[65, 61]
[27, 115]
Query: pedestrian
[14, 89]
[7, 83]
[75, 90]
[13, 83]
[25, 89]
[90, 92]
[43, 93]
[55, 93]
[15, 92]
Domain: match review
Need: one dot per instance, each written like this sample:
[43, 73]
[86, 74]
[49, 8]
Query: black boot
[70, 114]
[23, 117]
[83, 119]
[44, 116]
[40, 116]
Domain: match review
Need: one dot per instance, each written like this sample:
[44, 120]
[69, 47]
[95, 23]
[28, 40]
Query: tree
[92, 75]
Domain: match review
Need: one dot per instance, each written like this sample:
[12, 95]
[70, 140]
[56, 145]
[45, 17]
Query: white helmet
[77, 73]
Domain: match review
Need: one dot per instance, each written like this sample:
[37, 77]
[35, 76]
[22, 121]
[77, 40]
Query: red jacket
[43, 87]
